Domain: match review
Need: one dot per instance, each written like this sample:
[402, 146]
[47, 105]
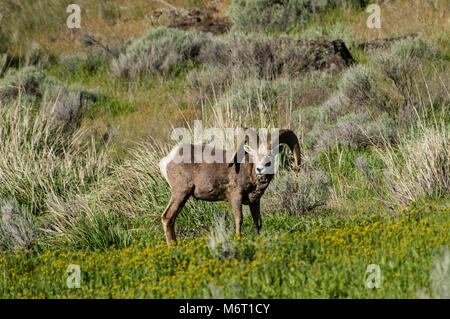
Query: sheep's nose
[259, 169]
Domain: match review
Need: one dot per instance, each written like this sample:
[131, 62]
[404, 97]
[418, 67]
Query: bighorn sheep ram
[240, 181]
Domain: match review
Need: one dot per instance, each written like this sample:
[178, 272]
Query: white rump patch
[166, 160]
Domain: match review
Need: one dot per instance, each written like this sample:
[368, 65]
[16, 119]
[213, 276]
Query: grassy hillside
[86, 115]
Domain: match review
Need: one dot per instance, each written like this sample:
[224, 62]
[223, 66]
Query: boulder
[385, 43]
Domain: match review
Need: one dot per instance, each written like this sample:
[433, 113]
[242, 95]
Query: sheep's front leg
[236, 204]
[176, 203]
[256, 214]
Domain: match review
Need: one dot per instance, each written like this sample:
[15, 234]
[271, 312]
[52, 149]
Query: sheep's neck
[260, 186]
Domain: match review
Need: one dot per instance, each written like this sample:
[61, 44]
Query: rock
[205, 20]
[385, 43]
[286, 55]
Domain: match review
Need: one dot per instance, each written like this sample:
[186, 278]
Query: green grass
[319, 260]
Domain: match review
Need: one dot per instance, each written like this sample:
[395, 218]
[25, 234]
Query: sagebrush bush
[402, 62]
[332, 108]
[221, 236]
[298, 193]
[283, 97]
[162, 50]
[358, 91]
[68, 103]
[358, 87]
[393, 82]
[285, 56]
[17, 228]
[84, 63]
[356, 130]
[440, 277]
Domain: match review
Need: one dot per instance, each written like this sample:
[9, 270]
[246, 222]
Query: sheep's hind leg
[175, 205]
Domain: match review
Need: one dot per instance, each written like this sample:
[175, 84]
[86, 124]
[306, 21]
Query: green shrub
[98, 231]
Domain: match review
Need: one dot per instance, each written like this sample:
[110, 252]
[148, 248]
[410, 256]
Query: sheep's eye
[267, 164]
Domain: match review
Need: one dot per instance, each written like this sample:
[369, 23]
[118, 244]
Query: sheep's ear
[249, 150]
[239, 154]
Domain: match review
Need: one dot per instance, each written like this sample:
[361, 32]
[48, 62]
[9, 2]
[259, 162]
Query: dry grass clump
[430, 18]
[420, 166]
[128, 190]
[278, 101]
[263, 96]
[209, 81]
[39, 161]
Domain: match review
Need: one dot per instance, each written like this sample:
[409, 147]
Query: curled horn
[245, 135]
[288, 137]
